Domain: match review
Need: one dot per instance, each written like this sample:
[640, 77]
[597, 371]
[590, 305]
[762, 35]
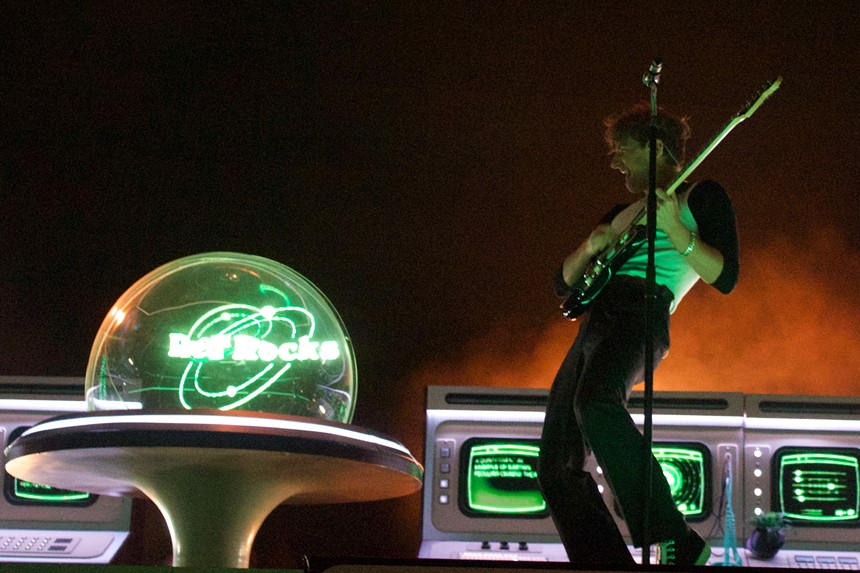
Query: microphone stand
[651, 79]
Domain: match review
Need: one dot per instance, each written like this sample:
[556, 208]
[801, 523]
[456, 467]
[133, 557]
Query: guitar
[601, 268]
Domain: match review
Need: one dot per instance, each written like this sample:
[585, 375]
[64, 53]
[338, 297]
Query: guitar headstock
[755, 102]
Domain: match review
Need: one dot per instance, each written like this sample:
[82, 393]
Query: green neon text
[237, 352]
[249, 348]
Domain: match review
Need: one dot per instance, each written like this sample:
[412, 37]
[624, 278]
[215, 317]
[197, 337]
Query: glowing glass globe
[224, 331]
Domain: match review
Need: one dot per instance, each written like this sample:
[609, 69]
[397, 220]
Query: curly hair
[634, 123]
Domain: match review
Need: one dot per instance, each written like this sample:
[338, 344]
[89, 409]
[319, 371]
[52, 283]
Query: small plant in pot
[768, 536]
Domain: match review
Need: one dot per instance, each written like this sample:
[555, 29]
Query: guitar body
[583, 293]
[600, 271]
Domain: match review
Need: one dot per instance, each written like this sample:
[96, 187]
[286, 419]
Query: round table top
[112, 452]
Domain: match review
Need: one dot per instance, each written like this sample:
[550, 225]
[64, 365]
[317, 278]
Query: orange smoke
[791, 327]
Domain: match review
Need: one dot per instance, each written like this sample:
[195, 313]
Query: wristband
[689, 249]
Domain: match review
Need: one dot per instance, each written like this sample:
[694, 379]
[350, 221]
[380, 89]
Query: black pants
[587, 410]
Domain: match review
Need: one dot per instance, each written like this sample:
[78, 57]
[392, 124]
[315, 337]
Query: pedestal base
[215, 477]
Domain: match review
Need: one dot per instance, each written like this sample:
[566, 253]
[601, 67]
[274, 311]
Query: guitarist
[696, 238]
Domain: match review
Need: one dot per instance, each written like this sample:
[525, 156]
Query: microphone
[652, 76]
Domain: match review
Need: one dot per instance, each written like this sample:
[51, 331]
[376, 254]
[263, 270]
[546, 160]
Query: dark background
[427, 166]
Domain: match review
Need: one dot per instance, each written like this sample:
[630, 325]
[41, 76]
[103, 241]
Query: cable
[731, 556]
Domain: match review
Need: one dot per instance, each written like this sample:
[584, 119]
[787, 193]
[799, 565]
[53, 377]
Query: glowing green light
[223, 331]
[239, 333]
[830, 481]
[46, 494]
[242, 347]
[684, 469]
[502, 478]
[268, 312]
[674, 477]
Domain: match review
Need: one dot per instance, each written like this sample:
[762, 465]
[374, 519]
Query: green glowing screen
[818, 486]
[687, 470]
[25, 492]
[21, 492]
[500, 478]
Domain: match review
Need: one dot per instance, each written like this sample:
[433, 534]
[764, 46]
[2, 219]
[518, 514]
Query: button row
[12, 544]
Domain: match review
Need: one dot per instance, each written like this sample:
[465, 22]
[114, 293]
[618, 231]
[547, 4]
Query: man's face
[631, 159]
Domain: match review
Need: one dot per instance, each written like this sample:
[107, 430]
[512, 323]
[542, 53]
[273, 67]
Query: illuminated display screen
[24, 492]
[21, 492]
[687, 467]
[499, 478]
[817, 486]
